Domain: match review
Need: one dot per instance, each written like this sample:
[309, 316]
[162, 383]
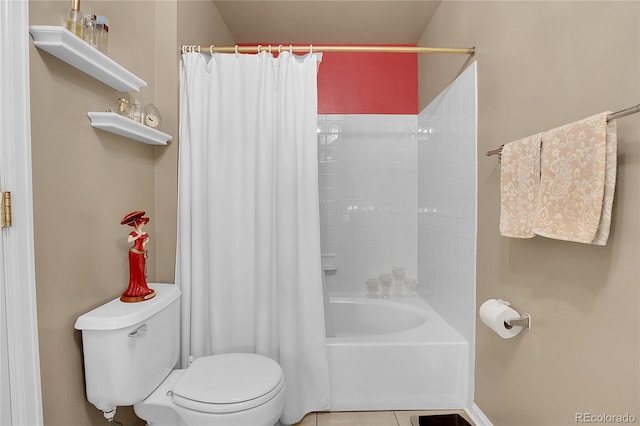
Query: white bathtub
[394, 354]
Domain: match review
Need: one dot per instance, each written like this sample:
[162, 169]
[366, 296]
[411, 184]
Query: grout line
[396, 416]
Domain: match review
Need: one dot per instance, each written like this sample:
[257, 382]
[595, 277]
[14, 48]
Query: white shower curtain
[248, 258]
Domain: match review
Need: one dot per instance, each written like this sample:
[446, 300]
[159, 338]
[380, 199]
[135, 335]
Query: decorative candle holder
[398, 280]
[411, 287]
[387, 285]
[373, 287]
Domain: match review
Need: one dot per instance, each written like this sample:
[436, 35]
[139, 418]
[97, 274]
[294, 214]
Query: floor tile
[404, 417]
[308, 420]
[358, 418]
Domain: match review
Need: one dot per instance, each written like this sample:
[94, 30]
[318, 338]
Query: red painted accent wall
[368, 83]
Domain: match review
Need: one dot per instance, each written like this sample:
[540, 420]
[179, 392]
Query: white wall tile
[447, 203]
[368, 187]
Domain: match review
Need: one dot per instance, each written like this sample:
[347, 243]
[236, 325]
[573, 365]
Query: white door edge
[18, 247]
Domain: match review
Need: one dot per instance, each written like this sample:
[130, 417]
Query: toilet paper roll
[494, 313]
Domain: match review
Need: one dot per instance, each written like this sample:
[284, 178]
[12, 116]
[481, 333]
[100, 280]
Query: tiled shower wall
[447, 203]
[400, 190]
[368, 183]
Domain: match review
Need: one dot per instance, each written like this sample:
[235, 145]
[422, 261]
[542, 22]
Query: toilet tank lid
[116, 314]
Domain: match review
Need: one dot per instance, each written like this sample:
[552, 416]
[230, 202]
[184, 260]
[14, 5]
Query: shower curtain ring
[236, 49]
[211, 49]
[259, 48]
[269, 49]
[280, 48]
[311, 49]
[198, 48]
[291, 49]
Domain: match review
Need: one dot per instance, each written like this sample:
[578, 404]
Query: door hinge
[6, 209]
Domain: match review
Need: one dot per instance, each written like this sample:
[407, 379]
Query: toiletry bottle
[89, 29]
[74, 19]
[102, 33]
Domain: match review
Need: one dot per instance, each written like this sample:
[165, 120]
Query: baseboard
[478, 416]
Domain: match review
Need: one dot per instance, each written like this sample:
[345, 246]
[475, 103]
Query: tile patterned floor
[369, 418]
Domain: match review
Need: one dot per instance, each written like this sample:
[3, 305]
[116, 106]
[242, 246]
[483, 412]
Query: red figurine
[137, 290]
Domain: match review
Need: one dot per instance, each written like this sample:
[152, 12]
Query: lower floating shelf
[116, 123]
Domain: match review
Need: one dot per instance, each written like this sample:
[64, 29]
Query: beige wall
[540, 65]
[86, 180]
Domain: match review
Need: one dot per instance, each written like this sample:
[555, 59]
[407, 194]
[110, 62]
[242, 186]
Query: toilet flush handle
[139, 331]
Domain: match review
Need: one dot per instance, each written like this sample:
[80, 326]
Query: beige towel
[519, 181]
[572, 181]
[609, 184]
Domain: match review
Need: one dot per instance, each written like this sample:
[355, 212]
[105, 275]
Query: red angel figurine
[137, 290]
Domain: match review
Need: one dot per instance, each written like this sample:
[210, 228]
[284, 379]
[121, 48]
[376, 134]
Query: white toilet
[131, 349]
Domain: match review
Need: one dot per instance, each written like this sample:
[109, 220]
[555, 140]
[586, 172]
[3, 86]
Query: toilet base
[158, 409]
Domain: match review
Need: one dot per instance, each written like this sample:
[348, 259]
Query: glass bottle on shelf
[89, 29]
[74, 19]
[102, 33]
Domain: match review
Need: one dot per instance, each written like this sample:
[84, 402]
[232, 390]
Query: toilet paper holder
[523, 321]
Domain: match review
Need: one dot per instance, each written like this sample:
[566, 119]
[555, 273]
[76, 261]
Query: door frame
[18, 272]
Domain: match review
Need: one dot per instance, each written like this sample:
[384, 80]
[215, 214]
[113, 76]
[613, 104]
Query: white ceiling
[327, 21]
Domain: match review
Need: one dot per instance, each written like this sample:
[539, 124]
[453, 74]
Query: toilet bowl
[226, 389]
[131, 349]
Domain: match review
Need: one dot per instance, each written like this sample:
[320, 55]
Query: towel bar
[612, 116]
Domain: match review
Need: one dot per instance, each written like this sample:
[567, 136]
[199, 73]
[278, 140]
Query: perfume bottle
[74, 19]
[89, 29]
[102, 33]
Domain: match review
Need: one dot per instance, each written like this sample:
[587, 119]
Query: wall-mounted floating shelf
[71, 49]
[115, 123]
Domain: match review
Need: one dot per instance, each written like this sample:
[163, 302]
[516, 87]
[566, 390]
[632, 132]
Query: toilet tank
[129, 348]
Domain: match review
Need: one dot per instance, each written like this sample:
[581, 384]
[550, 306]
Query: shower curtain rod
[311, 48]
[612, 116]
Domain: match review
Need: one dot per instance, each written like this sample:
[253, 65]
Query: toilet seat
[228, 383]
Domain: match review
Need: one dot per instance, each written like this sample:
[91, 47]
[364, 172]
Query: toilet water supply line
[110, 416]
